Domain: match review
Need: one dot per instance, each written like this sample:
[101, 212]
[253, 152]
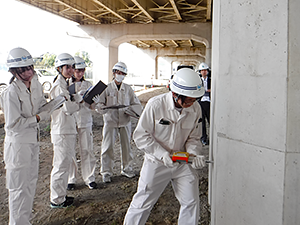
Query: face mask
[119, 78]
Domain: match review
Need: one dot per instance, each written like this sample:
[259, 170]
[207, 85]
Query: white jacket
[83, 117]
[20, 107]
[62, 119]
[182, 134]
[111, 96]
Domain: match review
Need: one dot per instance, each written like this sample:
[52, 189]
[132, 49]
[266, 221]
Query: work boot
[71, 187]
[92, 185]
[67, 203]
[106, 178]
[128, 174]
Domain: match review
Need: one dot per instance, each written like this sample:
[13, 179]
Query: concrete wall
[255, 113]
[292, 181]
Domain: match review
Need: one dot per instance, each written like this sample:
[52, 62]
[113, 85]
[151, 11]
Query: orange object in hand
[182, 157]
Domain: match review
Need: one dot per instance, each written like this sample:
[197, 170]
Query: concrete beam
[112, 35]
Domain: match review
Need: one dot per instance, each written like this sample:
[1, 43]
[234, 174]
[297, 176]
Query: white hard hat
[203, 66]
[64, 59]
[188, 83]
[79, 62]
[121, 67]
[19, 57]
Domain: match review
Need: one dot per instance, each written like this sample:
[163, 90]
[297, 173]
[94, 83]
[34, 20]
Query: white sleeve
[143, 134]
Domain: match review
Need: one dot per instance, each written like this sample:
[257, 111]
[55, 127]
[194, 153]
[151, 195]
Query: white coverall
[84, 123]
[21, 147]
[115, 120]
[182, 134]
[63, 137]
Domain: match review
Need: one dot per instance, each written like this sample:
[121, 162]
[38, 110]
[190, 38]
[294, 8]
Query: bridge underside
[146, 15]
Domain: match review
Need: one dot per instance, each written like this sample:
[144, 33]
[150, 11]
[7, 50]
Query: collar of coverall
[171, 104]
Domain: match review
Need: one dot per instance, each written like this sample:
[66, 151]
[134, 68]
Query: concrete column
[112, 35]
[255, 116]
[156, 67]
[169, 60]
[113, 59]
[208, 56]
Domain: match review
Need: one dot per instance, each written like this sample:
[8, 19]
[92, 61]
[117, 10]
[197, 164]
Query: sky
[39, 32]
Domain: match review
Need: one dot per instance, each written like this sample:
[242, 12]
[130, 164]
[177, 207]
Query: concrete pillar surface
[255, 113]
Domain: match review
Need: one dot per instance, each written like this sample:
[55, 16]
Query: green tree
[48, 60]
[86, 57]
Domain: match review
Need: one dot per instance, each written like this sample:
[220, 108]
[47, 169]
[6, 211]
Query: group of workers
[170, 123]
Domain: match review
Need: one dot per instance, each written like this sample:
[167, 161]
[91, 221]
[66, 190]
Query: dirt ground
[108, 204]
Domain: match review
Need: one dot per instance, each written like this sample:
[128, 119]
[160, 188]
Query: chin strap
[176, 99]
[21, 77]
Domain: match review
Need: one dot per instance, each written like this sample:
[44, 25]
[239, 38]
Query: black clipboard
[72, 89]
[134, 111]
[114, 107]
[93, 91]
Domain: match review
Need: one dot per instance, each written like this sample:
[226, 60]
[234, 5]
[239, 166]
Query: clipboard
[114, 107]
[134, 111]
[53, 104]
[72, 89]
[93, 91]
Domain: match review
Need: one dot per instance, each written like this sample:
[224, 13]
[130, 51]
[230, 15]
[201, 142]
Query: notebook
[72, 89]
[53, 104]
[134, 111]
[93, 91]
[114, 107]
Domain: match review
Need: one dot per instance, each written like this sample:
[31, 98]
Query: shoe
[71, 187]
[92, 185]
[204, 142]
[67, 203]
[106, 178]
[128, 174]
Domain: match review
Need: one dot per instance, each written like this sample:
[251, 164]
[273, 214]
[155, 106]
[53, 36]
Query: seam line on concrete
[222, 135]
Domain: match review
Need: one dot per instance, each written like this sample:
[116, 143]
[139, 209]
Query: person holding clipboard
[84, 123]
[63, 132]
[112, 103]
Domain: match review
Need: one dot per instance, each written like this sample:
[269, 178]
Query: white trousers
[22, 164]
[107, 149]
[63, 153]
[87, 157]
[153, 180]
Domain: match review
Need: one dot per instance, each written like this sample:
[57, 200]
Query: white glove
[96, 99]
[45, 115]
[198, 162]
[82, 92]
[77, 97]
[166, 158]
